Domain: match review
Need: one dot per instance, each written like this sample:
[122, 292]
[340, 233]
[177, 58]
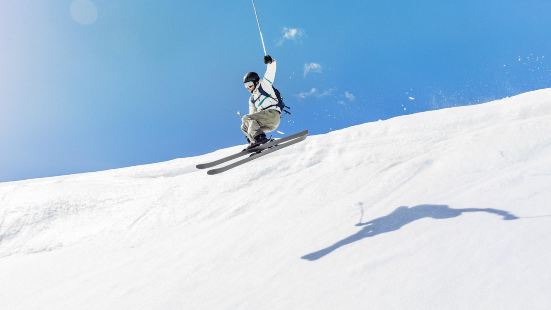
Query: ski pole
[259, 30]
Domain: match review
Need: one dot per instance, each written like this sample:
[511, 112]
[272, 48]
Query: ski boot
[258, 141]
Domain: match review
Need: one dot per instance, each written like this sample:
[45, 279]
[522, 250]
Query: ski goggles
[249, 85]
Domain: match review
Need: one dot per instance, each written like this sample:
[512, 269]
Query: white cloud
[307, 94]
[350, 96]
[312, 67]
[291, 34]
[314, 92]
[327, 92]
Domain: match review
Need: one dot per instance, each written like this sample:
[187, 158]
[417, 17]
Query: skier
[265, 108]
[264, 111]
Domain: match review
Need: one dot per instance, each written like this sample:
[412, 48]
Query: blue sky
[89, 85]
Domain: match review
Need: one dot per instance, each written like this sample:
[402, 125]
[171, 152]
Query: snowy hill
[448, 209]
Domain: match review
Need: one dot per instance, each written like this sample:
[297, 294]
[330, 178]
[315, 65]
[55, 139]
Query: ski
[253, 150]
[254, 156]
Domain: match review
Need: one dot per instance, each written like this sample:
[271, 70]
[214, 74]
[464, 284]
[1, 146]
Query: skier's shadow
[399, 218]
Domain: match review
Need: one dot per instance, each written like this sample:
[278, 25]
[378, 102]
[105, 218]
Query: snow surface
[448, 209]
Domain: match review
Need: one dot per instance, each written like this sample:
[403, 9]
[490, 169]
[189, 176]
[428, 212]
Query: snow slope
[448, 209]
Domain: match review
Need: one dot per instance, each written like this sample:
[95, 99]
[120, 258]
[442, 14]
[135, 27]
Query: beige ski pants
[260, 122]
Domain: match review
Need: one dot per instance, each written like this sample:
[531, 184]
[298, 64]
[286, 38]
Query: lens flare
[84, 12]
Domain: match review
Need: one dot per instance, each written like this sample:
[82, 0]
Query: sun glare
[84, 12]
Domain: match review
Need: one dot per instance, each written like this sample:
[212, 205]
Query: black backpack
[280, 104]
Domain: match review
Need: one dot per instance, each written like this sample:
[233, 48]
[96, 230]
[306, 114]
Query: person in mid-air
[264, 107]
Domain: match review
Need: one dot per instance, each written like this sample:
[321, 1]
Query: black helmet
[251, 77]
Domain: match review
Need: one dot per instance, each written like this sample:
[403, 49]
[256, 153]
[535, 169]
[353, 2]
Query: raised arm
[269, 76]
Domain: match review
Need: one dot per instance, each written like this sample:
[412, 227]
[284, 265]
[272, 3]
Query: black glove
[268, 59]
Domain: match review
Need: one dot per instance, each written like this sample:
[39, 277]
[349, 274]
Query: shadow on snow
[399, 218]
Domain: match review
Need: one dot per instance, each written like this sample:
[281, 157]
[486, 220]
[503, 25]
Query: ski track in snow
[453, 207]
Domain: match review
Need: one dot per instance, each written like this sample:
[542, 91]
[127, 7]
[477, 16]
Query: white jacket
[259, 102]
